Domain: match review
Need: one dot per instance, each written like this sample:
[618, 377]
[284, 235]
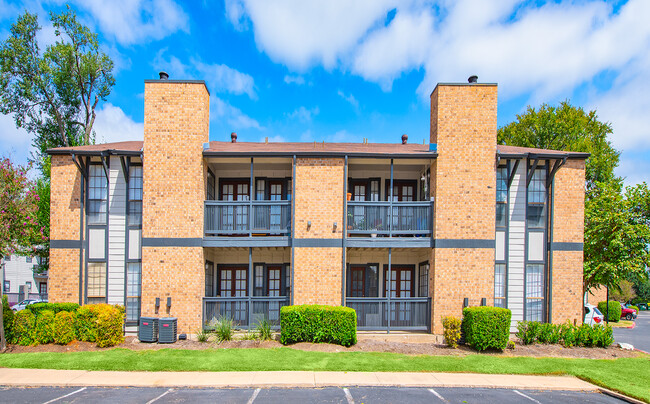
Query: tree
[617, 236]
[569, 128]
[20, 231]
[54, 94]
[624, 293]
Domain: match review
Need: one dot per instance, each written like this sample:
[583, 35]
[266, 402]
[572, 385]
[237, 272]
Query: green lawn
[630, 376]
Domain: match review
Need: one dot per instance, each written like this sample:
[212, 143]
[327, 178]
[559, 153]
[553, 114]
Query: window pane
[499, 281]
[260, 190]
[501, 214]
[534, 281]
[133, 275]
[132, 308]
[502, 184]
[96, 279]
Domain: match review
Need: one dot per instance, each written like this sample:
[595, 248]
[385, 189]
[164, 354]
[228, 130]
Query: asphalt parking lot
[639, 336]
[124, 395]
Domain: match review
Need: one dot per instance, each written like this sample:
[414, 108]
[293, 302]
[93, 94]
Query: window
[8, 257]
[287, 272]
[28, 260]
[260, 190]
[135, 195]
[536, 214]
[211, 186]
[133, 290]
[209, 278]
[259, 280]
[29, 286]
[500, 285]
[424, 280]
[96, 282]
[502, 196]
[42, 288]
[534, 292]
[7, 286]
[374, 190]
[97, 195]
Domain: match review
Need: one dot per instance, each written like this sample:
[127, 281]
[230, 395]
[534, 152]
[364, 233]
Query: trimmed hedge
[316, 323]
[64, 332]
[109, 322]
[23, 326]
[86, 323]
[530, 332]
[451, 330]
[8, 320]
[615, 310]
[486, 327]
[44, 327]
[36, 308]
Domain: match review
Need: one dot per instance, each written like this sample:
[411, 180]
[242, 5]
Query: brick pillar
[568, 229]
[464, 127]
[63, 275]
[176, 125]
[317, 261]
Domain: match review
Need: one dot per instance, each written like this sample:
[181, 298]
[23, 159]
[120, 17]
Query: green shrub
[36, 308]
[584, 335]
[86, 323]
[568, 334]
[545, 333]
[264, 329]
[110, 323]
[316, 323]
[602, 335]
[486, 327]
[633, 307]
[64, 332]
[527, 331]
[8, 320]
[224, 328]
[44, 327]
[451, 327]
[23, 327]
[202, 335]
[614, 310]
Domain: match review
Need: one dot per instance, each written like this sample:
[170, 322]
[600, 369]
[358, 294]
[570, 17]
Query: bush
[109, 323]
[23, 327]
[584, 335]
[568, 334]
[486, 327]
[223, 328]
[64, 332]
[8, 322]
[614, 310]
[264, 329]
[36, 308]
[451, 330]
[44, 327]
[316, 323]
[86, 323]
[527, 331]
[202, 335]
[632, 307]
[545, 333]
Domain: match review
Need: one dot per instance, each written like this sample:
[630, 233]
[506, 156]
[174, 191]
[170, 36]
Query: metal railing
[390, 218]
[396, 313]
[13, 298]
[246, 312]
[234, 218]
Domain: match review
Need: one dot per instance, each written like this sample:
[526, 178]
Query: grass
[621, 324]
[630, 376]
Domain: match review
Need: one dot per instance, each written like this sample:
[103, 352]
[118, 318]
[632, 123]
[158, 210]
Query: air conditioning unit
[148, 329]
[167, 330]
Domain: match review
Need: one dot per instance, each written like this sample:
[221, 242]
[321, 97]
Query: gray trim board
[317, 242]
[65, 244]
[566, 246]
[385, 242]
[178, 81]
[463, 243]
[246, 242]
[172, 242]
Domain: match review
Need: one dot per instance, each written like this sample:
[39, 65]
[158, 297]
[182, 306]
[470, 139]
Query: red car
[627, 314]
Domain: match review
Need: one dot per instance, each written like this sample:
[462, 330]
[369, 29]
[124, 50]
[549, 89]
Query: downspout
[344, 225]
[81, 229]
[550, 251]
[293, 226]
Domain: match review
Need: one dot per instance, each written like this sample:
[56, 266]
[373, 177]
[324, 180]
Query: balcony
[231, 224]
[396, 313]
[384, 224]
[246, 312]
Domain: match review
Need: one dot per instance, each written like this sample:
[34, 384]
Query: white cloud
[274, 139]
[303, 114]
[299, 80]
[14, 143]
[349, 98]
[113, 125]
[137, 21]
[219, 109]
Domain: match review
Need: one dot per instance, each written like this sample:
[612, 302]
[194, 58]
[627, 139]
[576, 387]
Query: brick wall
[594, 296]
[318, 199]
[176, 124]
[568, 226]
[63, 274]
[463, 124]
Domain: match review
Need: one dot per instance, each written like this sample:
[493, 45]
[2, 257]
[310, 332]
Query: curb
[619, 396]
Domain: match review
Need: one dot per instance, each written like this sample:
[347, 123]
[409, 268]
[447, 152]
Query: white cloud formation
[349, 98]
[222, 77]
[303, 114]
[137, 21]
[220, 109]
[113, 125]
[299, 80]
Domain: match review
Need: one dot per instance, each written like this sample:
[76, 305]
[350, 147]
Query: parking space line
[528, 397]
[160, 396]
[67, 395]
[254, 396]
[348, 396]
[435, 393]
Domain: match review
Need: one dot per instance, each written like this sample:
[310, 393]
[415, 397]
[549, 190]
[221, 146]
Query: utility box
[148, 329]
[167, 330]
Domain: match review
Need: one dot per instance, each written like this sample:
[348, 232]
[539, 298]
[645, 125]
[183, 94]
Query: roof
[229, 149]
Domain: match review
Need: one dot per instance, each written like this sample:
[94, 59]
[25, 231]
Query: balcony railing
[396, 313]
[390, 219]
[269, 218]
[246, 312]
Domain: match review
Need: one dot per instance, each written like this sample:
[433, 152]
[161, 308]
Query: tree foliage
[570, 128]
[53, 94]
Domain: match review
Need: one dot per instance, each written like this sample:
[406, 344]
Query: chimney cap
[233, 137]
[163, 75]
[472, 79]
[405, 138]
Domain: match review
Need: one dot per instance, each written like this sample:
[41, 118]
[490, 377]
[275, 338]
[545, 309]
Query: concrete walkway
[48, 377]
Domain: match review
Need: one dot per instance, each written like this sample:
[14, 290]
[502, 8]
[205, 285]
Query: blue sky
[338, 70]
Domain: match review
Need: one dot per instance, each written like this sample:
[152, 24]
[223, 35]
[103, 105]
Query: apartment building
[404, 233]
[21, 278]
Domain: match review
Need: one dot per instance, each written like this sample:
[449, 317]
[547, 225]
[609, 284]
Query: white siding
[116, 232]
[18, 272]
[516, 245]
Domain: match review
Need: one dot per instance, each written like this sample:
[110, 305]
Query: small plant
[568, 334]
[602, 335]
[584, 335]
[223, 328]
[202, 335]
[528, 331]
[511, 344]
[264, 329]
[451, 330]
[548, 334]
[248, 336]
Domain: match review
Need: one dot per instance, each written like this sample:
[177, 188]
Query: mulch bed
[537, 350]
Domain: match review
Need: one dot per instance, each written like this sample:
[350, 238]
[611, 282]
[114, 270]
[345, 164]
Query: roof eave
[209, 153]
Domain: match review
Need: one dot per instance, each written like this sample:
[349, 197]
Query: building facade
[21, 278]
[177, 225]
